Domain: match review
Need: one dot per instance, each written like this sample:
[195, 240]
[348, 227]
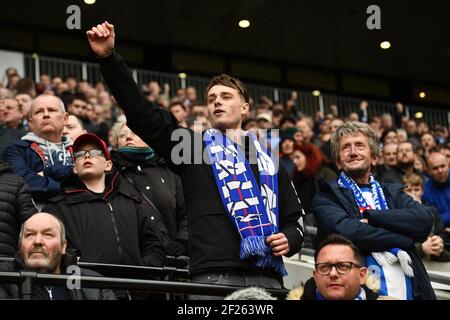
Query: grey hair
[251, 293]
[61, 225]
[61, 103]
[355, 128]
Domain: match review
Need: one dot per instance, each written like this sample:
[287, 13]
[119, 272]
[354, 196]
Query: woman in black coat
[155, 184]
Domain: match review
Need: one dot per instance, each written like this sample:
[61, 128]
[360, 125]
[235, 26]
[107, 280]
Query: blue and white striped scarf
[252, 208]
[378, 262]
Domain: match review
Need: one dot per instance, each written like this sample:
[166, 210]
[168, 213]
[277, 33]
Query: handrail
[142, 272]
[438, 278]
[30, 278]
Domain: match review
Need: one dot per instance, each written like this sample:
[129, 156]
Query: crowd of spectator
[36, 143]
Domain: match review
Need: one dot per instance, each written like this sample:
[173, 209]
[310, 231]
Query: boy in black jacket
[105, 221]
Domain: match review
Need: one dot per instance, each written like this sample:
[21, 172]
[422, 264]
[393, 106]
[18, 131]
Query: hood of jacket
[391, 192]
[53, 153]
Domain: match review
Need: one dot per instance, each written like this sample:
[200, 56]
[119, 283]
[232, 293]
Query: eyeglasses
[93, 153]
[341, 267]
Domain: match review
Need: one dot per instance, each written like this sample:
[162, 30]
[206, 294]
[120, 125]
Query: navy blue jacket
[27, 163]
[407, 221]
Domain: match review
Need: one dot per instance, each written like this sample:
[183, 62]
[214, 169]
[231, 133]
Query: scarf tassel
[257, 246]
[254, 246]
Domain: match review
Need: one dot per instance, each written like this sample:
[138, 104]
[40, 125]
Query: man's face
[78, 107]
[89, 111]
[287, 146]
[405, 154]
[411, 127]
[226, 107]
[12, 115]
[325, 126]
[72, 83]
[305, 130]
[355, 155]
[375, 123]
[128, 138]
[73, 128]
[41, 247]
[24, 101]
[438, 167]
[391, 137]
[427, 141]
[179, 113]
[47, 116]
[387, 122]
[191, 93]
[335, 124]
[89, 166]
[336, 286]
[44, 79]
[390, 154]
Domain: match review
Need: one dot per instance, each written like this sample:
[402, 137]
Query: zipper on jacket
[119, 247]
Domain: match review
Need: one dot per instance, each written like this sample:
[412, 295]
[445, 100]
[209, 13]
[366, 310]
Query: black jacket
[214, 242]
[112, 228]
[163, 188]
[406, 221]
[7, 136]
[16, 206]
[11, 291]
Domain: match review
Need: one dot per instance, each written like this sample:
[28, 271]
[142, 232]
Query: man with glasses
[339, 273]
[105, 220]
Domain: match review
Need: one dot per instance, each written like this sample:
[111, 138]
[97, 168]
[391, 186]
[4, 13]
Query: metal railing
[309, 104]
[140, 278]
[26, 280]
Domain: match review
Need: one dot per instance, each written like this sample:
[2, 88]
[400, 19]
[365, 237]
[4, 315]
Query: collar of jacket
[123, 163]
[75, 191]
[344, 196]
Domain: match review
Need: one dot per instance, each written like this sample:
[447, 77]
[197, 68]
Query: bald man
[42, 248]
[43, 157]
[437, 189]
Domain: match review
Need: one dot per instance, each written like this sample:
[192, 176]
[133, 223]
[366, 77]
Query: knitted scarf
[252, 208]
[377, 260]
